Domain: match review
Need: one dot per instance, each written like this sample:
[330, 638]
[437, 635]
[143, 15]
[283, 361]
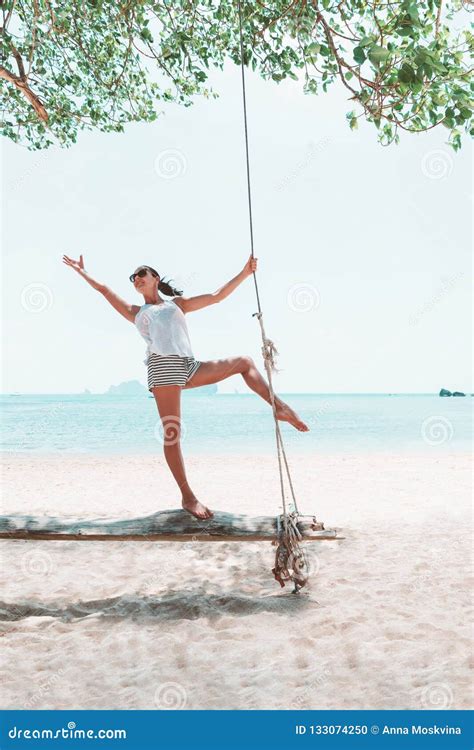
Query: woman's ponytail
[170, 291]
[165, 286]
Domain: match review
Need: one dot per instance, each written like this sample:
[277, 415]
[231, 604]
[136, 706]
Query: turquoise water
[235, 423]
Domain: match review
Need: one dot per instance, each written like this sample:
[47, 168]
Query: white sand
[130, 625]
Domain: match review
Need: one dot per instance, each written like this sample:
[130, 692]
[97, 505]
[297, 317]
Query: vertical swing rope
[267, 351]
[290, 563]
[249, 191]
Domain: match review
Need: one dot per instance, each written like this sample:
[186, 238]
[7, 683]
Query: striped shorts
[170, 369]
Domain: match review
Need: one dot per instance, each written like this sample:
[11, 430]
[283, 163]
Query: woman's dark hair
[165, 286]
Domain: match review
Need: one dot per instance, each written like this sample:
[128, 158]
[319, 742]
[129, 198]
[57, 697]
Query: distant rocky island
[444, 392]
[127, 388]
[135, 388]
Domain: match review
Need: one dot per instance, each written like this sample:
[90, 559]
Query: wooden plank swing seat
[163, 526]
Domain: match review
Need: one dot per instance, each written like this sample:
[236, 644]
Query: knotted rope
[290, 561]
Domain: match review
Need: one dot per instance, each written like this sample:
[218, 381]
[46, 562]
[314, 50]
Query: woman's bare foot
[197, 509]
[286, 414]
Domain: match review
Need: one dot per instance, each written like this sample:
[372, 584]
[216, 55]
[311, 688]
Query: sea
[235, 423]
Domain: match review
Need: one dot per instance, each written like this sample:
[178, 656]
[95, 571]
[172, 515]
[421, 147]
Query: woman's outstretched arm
[124, 308]
[189, 304]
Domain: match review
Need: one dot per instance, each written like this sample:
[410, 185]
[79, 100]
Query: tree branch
[19, 62]
[22, 86]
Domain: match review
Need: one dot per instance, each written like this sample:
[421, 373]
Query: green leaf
[359, 55]
[378, 55]
[405, 26]
[406, 74]
[312, 50]
[146, 35]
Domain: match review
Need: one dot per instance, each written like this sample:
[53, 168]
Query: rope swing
[290, 561]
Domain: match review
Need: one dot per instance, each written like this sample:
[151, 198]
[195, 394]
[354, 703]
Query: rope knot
[290, 561]
[269, 351]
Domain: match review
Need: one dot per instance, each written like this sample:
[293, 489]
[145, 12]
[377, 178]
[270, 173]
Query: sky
[364, 251]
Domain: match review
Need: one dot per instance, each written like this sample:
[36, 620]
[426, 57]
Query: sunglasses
[141, 273]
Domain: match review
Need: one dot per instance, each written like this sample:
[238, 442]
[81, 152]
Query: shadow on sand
[176, 605]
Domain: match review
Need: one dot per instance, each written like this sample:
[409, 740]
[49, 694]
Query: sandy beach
[383, 624]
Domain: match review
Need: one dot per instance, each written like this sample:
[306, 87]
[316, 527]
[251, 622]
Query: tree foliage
[69, 65]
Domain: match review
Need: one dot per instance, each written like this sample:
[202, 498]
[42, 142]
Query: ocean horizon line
[195, 392]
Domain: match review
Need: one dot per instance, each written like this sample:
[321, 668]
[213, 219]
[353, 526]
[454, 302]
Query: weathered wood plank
[163, 526]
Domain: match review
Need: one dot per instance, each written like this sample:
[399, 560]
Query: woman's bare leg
[168, 401]
[220, 369]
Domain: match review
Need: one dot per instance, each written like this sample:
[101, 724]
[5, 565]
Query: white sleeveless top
[163, 326]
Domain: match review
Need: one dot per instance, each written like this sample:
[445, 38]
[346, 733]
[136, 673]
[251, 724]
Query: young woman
[170, 362]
